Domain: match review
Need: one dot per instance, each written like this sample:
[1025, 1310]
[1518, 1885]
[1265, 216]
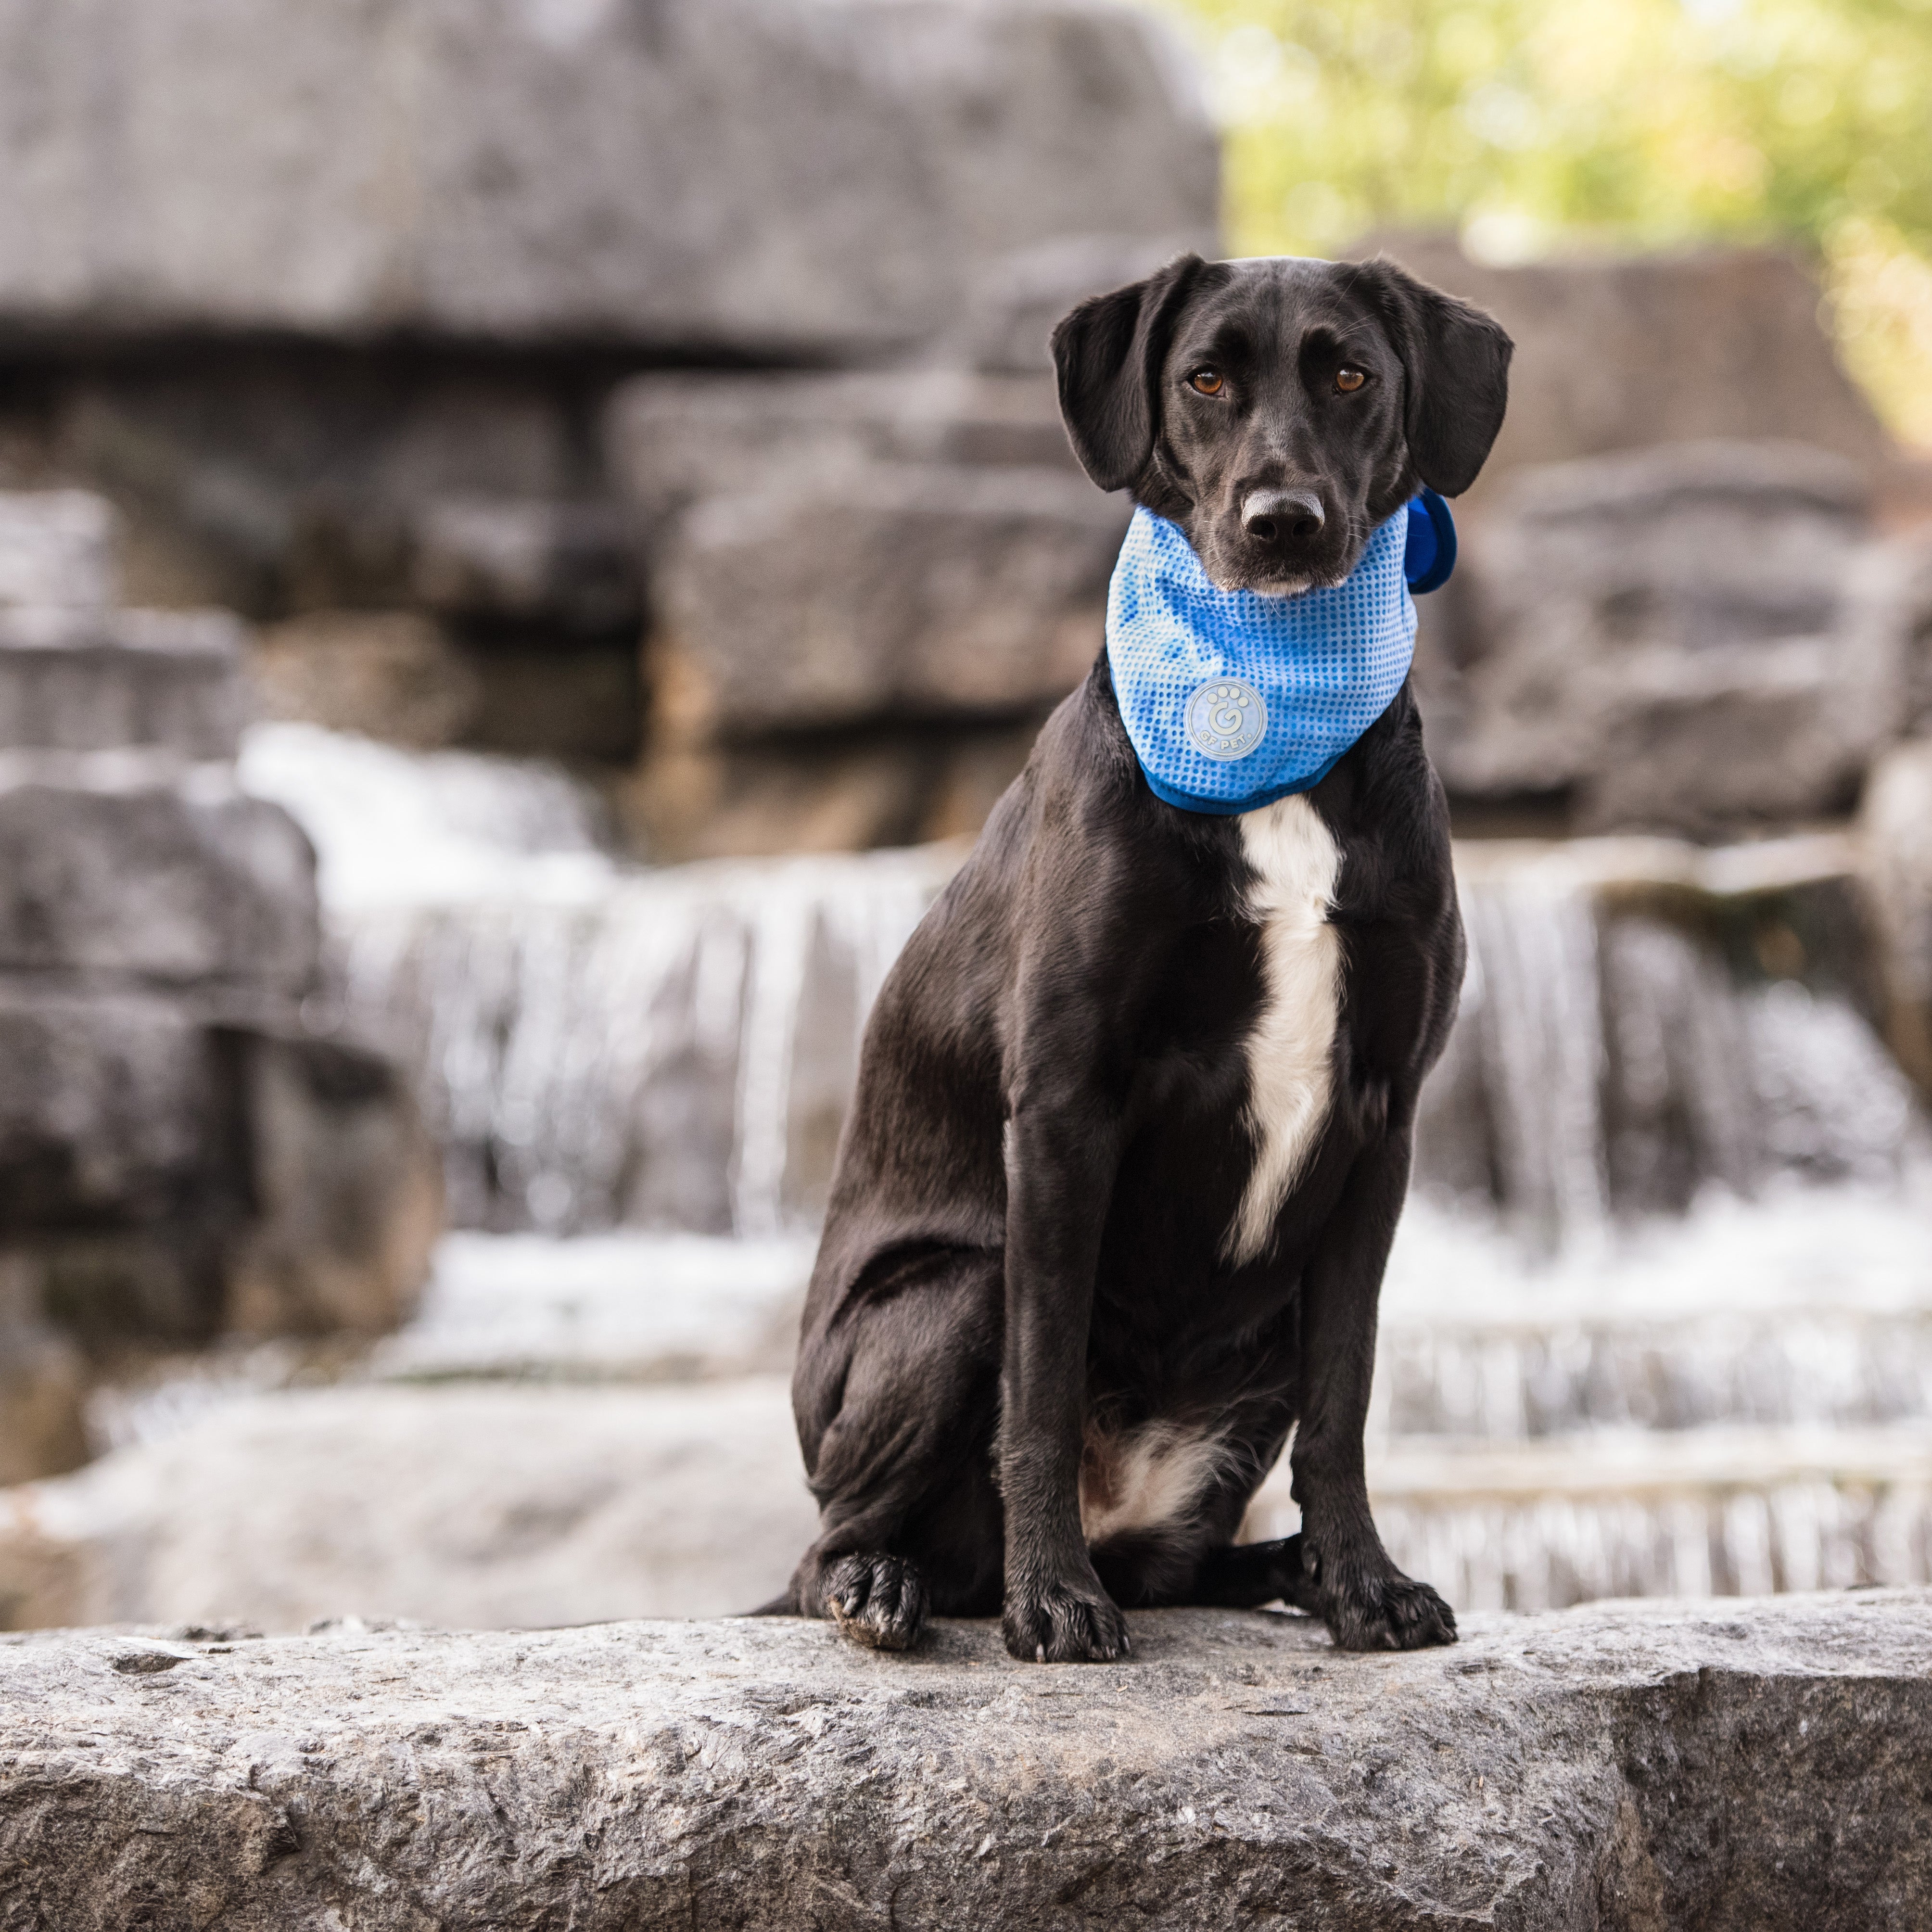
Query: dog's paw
[1390, 1612]
[1065, 1623]
[877, 1601]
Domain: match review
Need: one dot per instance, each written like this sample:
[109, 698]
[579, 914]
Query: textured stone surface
[111, 1109]
[56, 549]
[932, 591]
[1673, 639]
[675, 440]
[1615, 353]
[721, 173]
[836, 555]
[283, 479]
[88, 681]
[1897, 825]
[344, 1186]
[505, 559]
[1763, 1766]
[41, 1384]
[161, 1175]
[108, 865]
[887, 785]
[387, 674]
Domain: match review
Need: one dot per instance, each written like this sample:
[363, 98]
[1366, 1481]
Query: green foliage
[1653, 123]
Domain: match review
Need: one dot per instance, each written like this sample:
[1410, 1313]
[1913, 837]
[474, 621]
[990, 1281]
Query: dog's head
[1278, 410]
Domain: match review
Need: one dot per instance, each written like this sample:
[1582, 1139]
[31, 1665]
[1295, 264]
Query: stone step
[1623, 1769]
[57, 549]
[80, 680]
[121, 863]
[484, 1506]
[481, 1504]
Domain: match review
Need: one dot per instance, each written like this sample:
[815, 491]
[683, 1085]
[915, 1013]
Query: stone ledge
[1757, 1764]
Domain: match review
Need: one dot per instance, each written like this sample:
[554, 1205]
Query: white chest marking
[1146, 1481]
[1291, 1066]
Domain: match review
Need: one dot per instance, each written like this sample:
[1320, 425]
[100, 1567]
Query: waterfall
[1606, 1063]
[596, 1045]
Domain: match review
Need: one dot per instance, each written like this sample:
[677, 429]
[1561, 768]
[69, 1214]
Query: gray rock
[388, 674]
[836, 550]
[1014, 307]
[892, 785]
[345, 1187]
[727, 173]
[112, 1110]
[1895, 594]
[42, 1381]
[1758, 1767]
[570, 563]
[936, 591]
[675, 440]
[110, 865]
[57, 548]
[1897, 829]
[1673, 639]
[160, 1176]
[87, 681]
[1622, 352]
[277, 482]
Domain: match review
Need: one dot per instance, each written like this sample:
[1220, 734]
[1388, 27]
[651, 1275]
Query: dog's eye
[1348, 380]
[1206, 382]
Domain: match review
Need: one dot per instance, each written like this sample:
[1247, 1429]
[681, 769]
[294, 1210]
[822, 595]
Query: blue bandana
[1233, 700]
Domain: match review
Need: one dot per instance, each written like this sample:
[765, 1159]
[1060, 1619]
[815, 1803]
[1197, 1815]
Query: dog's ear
[1107, 355]
[1455, 361]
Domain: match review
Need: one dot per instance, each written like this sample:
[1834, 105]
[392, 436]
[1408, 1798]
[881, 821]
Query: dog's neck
[1234, 699]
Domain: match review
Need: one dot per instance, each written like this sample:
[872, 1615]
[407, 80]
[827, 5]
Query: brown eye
[1349, 380]
[1206, 381]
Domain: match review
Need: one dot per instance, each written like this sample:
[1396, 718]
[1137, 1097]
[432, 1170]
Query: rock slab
[724, 173]
[1764, 1766]
[1692, 637]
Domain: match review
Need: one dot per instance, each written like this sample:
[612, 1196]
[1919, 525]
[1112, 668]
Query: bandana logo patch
[1226, 719]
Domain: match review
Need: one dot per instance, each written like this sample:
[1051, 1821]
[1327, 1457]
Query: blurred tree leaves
[1533, 127]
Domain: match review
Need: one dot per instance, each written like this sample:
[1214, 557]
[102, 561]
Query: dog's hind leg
[897, 1402]
[1244, 1576]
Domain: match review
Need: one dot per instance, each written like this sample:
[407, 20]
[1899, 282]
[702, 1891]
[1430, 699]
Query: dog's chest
[1290, 1050]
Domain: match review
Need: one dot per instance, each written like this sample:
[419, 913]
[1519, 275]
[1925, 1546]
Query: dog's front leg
[1059, 1159]
[1347, 1577]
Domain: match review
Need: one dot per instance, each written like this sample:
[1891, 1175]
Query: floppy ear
[1107, 355]
[1455, 361]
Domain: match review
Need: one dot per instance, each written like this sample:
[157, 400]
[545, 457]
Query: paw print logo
[1226, 719]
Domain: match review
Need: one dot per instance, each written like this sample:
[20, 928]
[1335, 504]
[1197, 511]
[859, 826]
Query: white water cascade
[597, 1046]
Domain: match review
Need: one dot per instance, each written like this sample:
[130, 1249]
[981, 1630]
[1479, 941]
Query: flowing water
[1659, 1319]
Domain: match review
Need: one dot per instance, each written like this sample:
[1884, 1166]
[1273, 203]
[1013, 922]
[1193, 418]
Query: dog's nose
[1269, 515]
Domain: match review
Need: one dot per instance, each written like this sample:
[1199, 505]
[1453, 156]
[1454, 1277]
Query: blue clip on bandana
[1233, 700]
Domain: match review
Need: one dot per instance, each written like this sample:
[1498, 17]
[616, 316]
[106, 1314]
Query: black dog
[1134, 1110]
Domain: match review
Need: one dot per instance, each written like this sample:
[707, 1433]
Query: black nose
[1269, 515]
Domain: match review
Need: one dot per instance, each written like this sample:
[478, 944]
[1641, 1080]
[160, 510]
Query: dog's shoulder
[1385, 805]
[1089, 811]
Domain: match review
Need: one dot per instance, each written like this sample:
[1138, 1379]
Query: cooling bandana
[1233, 700]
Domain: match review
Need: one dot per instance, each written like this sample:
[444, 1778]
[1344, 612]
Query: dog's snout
[1273, 516]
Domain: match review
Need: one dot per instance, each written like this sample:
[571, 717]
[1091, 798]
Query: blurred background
[533, 532]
